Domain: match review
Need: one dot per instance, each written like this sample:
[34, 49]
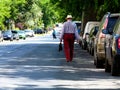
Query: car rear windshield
[111, 23]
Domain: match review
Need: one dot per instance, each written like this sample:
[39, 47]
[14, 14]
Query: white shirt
[70, 27]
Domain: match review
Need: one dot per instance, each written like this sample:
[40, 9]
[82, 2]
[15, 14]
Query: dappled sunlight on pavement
[44, 68]
[27, 83]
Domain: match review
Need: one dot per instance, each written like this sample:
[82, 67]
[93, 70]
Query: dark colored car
[108, 21]
[92, 35]
[112, 49]
[38, 31]
[8, 35]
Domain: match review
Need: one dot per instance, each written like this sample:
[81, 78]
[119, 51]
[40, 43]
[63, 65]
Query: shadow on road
[44, 68]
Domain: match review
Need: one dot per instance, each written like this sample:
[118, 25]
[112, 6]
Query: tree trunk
[88, 15]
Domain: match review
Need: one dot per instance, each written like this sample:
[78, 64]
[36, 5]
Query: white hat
[69, 16]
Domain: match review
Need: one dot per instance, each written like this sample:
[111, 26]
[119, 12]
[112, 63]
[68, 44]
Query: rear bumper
[100, 51]
[101, 55]
[7, 38]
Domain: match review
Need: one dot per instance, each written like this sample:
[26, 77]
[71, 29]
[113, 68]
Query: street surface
[36, 64]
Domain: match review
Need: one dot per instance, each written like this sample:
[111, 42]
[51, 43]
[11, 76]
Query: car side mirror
[104, 31]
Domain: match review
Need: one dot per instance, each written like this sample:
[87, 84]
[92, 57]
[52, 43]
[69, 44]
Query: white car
[29, 33]
[87, 29]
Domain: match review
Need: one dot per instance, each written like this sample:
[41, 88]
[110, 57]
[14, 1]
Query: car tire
[11, 39]
[89, 51]
[92, 52]
[99, 63]
[82, 46]
[85, 45]
[17, 39]
[107, 66]
[115, 66]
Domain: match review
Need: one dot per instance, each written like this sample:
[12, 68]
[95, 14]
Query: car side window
[118, 28]
[102, 23]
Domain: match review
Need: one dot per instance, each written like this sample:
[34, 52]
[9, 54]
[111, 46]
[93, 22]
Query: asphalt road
[36, 64]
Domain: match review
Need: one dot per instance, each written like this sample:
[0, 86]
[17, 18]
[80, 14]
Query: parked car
[88, 27]
[78, 23]
[29, 33]
[38, 31]
[22, 34]
[15, 34]
[8, 35]
[91, 37]
[1, 36]
[112, 49]
[108, 21]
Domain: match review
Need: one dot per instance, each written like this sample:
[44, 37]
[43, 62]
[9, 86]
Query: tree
[50, 16]
[86, 10]
[4, 12]
[47, 12]
[112, 6]
[77, 8]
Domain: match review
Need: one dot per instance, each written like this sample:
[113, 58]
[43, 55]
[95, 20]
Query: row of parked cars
[102, 40]
[15, 34]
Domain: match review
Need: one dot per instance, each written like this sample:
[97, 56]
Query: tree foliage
[86, 10]
[36, 13]
[4, 11]
[75, 7]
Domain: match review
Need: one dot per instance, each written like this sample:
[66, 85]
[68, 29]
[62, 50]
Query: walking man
[68, 35]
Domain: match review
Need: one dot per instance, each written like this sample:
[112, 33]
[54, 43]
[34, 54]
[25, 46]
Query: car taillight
[102, 35]
[119, 43]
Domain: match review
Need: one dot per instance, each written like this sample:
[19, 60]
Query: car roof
[77, 21]
[114, 14]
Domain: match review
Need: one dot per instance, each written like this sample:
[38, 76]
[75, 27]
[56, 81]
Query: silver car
[108, 21]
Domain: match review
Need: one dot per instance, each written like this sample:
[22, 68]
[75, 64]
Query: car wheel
[17, 39]
[107, 66]
[82, 46]
[92, 52]
[115, 66]
[85, 45]
[99, 63]
[89, 50]
[11, 39]
[80, 43]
